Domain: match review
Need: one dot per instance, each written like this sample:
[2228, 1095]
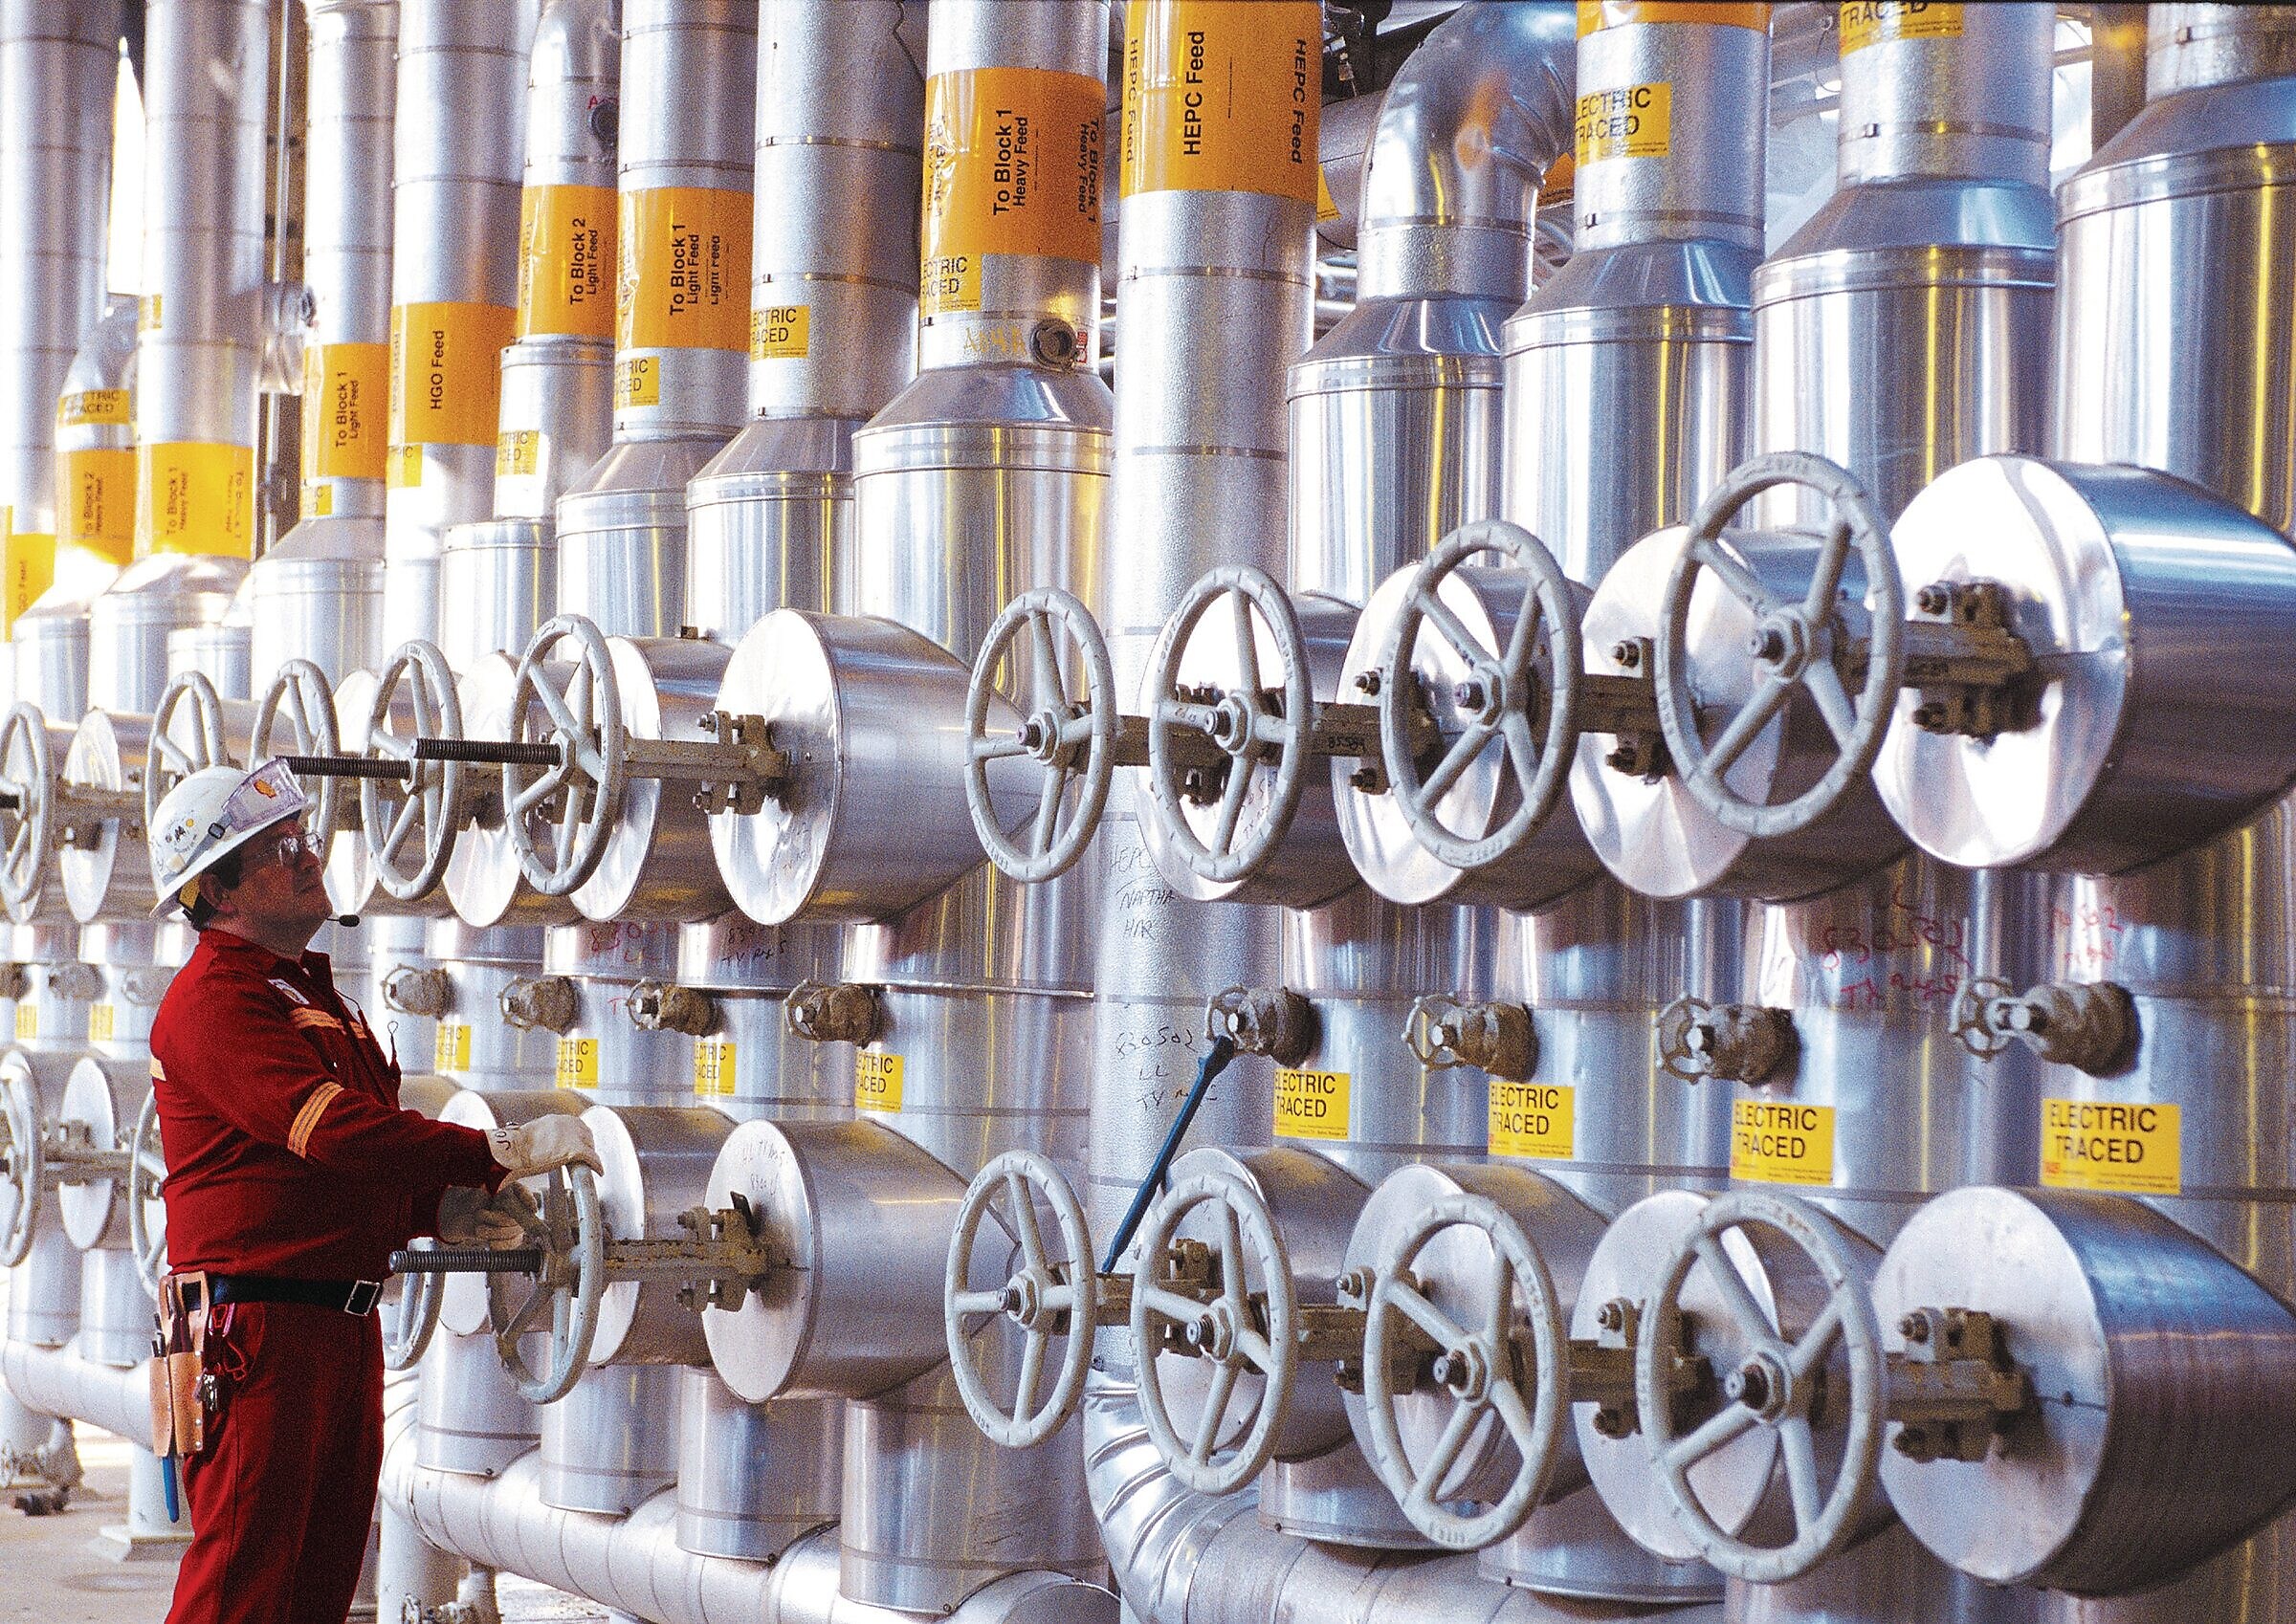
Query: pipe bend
[1467, 133]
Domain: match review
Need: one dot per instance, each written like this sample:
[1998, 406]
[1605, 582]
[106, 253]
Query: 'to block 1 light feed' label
[1634, 120]
[577, 1063]
[1877, 23]
[876, 1081]
[1777, 1142]
[1224, 95]
[1012, 165]
[1534, 1119]
[452, 1047]
[684, 274]
[347, 400]
[2131, 1150]
[715, 1063]
[1311, 1105]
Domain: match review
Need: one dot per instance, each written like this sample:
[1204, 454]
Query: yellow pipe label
[567, 261]
[684, 282]
[103, 1019]
[1878, 24]
[28, 1022]
[1223, 96]
[782, 332]
[715, 1063]
[637, 381]
[451, 1048]
[1634, 120]
[1777, 1142]
[1012, 165]
[1595, 15]
[1534, 1119]
[195, 497]
[96, 500]
[1311, 1105]
[29, 562]
[2133, 1149]
[577, 1063]
[517, 452]
[346, 393]
[114, 409]
[446, 373]
[1326, 207]
[876, 1081]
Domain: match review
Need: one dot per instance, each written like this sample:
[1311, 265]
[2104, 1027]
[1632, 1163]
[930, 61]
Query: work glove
[469, 1217]
[543, 1145]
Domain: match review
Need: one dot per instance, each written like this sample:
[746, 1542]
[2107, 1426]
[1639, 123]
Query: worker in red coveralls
[292, 1176]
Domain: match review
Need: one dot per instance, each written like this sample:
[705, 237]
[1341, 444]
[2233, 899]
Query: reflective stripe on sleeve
[298, 1132]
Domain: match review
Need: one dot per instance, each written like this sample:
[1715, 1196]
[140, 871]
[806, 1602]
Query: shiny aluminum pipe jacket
[57, 1381]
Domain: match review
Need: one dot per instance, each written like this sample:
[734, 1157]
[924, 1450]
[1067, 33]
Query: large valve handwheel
[1484, 1367]
[1242, 723]
[1073, 738]
[1794, 646]
[190, 696]
[419, 811]
[24, 1170]
[1048, 1295]
[1532, 711]
[561, 817]
[28, 822]
[570, 1286]
[147, 1175]
[1230, 1326]
[413, 1319]
[1777, 1385]
[301, 707]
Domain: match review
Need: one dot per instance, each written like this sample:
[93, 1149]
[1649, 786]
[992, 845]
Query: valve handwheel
[171, 760]
[1777, 1385]
[301, 702]
[28, 779]
[1072, 738]
[1481, 1365]
[428, 802]
[407, 1328]
[147, 1175]
[1049, 1296]
[25, 1167]
[1509, 688]
[571, 1286]
[1240, 723]
[571, 806]
[1234, 1328]
[1794, 646]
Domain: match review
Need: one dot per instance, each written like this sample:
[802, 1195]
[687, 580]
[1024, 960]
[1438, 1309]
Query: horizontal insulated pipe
[56, 1381]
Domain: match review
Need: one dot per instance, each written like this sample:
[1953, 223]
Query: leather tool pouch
[178, 1416]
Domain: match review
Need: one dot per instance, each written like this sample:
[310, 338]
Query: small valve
[664, 1006]
[1731, 1042]
[1274, 1021]
[835, 1012]
[1497, 1038]
[2089, 1025]
[551, 1002]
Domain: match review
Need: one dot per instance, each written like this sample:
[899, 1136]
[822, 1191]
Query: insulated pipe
[56, 1381]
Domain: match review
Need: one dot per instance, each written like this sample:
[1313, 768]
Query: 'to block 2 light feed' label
[1538, 1120]
[1311, 1105]
[876, 1081]
[1778, 1142]
[2131, 1150]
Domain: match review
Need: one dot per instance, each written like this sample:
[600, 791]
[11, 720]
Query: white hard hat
[213, 813]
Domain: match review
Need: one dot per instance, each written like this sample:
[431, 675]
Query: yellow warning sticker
[517, 452]
[147, 314]
[715, 1062]
[577, 1063]
[402, 468]
[567, 261]
[1311, 1105]
[1878, 24]
[346, 396]
[1634, 120]
[446, 372]
[319, 499]
[782, 332]
[876, 1081]
[111, 407]
[2131, 1149]
[684, 281]
[28, 1021]
[637, 381]
[1777, 1142]
[451, 1049]
[1326, 207]
[1223, 96]
[103, 1019]
[1012, 165]
[193, 497]
[1595, 15]
[96, 498]
[30, 568]
[1534, 1119]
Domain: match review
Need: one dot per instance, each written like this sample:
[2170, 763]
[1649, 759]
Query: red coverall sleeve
[280, 1093]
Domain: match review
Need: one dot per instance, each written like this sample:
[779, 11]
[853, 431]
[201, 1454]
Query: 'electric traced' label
[567, 261]
[782, 332]
[446, 372]
[517, 452]
[684, 282]
[347, 392]
[577, 1063]
[876, 1081]
[1634, 120]
[1224, 95]
[113, 408]
[193, 497]
[1878, 23]
[28, 1021]
[637, 381]
[1311, 1105]
[1534, 1119]
[96, 500]
[1777, 1142]
[451, 1049]
[103, 1019]
[713, 1065]
[2131, 1150]
[1012, 166]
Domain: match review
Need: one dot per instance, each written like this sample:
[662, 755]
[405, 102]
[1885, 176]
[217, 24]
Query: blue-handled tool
[175, 1509]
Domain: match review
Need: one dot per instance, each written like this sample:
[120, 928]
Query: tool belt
[180, 1396]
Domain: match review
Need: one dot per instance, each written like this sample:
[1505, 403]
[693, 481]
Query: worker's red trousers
[281, 1497]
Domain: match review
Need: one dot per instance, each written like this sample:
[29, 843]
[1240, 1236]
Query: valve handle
[1482, 1368]
[1794, 647]
[1241, 725]
[1676, 1058]
[1776, 1387]
[571, 1285]
[147, 1175]
[26, 1166]
[1971, 1017]
[568, 808]
[303, 701]
[408, 1331]
[1050, 1297]
[1058, 727]
[1532, 713]
[26, 807]
[426, 798]
[170, 761]
[1237, 1329]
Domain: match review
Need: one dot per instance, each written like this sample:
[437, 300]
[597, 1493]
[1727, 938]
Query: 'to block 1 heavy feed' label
[1634, 120]
[876, 1081]
[1224, 95]
[2134, 1149]
[1311, 1105]
[715, 1063]
[567, 261]
[347, 400]
[1776, 1142]
[196, 498]
[684, 275]
[1534, 1119]
[1876, 23]
[1012, 165]
[446, 373]
[577, 1063]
